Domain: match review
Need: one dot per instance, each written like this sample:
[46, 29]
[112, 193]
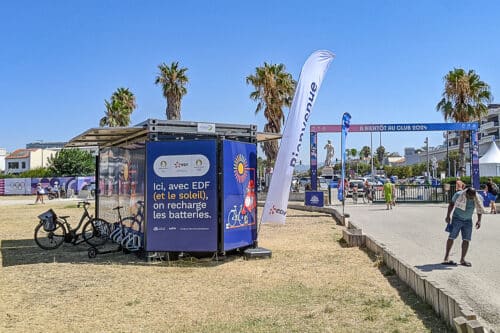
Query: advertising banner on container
[181, 192]
[17, 186]
[62, 184]
[83, 183]
[239, 193]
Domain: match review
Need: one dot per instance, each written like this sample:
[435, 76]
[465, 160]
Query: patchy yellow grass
[311, 284]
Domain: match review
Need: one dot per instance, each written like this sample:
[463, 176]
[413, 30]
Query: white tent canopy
[489, 163]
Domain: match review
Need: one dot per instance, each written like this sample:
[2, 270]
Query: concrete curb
[454, 311]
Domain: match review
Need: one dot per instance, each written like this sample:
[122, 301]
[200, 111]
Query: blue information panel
[240, 199]
[314, 198]
[181, 196]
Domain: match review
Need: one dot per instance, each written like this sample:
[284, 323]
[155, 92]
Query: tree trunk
[173, 109]
[461, 150]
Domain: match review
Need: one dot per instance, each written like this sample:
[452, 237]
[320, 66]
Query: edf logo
[275, 210]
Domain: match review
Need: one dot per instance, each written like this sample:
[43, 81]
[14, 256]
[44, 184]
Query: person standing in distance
[492, 195]
[388, 194]
[39, 193]
[462, 205]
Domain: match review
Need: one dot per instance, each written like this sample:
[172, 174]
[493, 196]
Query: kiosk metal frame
[155, 130]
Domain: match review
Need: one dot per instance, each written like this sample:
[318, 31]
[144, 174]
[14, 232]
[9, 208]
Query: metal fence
[418, 193]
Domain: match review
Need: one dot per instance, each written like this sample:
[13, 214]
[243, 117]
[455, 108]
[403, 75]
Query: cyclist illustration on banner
[243, 215]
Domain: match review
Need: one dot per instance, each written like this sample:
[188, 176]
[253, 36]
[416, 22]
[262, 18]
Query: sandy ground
[311, 284]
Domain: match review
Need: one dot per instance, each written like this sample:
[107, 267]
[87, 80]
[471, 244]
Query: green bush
[467, 180]
[33, 173]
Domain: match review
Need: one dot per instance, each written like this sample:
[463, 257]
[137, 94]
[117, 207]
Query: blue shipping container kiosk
[184, 187]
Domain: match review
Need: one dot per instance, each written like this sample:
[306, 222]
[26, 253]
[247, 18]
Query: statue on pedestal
[329, 153]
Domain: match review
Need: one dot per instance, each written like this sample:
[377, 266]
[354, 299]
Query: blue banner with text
[181, 196]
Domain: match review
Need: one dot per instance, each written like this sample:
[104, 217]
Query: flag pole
[346, 123]
[342, 147]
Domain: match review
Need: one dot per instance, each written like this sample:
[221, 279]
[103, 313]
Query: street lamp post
[427, 149]
[448, 154]
[371, 153]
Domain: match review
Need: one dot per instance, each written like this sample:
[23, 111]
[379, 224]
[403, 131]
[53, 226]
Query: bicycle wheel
[50, 240]
[232, 219]
[96, 232]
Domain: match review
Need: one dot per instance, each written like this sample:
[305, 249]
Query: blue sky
[59, 60]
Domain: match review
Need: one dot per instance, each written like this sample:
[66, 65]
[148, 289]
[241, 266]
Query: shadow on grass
[26, 252]
[423, 310]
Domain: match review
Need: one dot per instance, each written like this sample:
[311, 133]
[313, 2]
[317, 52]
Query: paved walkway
[30, 200]
[415, 233]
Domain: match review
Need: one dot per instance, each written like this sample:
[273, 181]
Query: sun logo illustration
[240, 166]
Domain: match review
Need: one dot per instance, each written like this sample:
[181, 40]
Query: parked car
[375, 183]
[304, 183]
[355, 182]
[419, 180]
[323, 183]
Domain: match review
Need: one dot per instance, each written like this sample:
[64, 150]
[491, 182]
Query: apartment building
[3, 154]
[489, 130]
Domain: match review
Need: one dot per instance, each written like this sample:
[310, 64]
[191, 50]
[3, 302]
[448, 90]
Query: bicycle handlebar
[83, 203]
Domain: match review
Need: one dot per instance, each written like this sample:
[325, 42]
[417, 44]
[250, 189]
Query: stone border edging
[453, 310]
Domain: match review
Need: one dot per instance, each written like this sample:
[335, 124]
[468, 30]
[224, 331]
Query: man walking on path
[462, 204]
[388, 194]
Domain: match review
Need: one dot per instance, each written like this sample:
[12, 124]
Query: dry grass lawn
[311, 284]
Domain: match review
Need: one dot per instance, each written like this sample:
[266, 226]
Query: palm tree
[380, 154]
[274, 89]
[354, 152]
[173, 80]
[465, 98]
[119, 108]
[365, 152]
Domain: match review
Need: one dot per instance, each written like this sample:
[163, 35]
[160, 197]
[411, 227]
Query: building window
[13, 165]
[23, 164]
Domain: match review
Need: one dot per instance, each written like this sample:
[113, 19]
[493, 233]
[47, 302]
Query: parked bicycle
[133, 232]
[127, 232]
[54, 230]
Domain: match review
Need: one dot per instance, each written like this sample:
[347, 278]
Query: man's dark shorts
[465, 226]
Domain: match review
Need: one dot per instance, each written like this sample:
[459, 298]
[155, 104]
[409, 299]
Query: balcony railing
[487, 138]
[488, 125]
